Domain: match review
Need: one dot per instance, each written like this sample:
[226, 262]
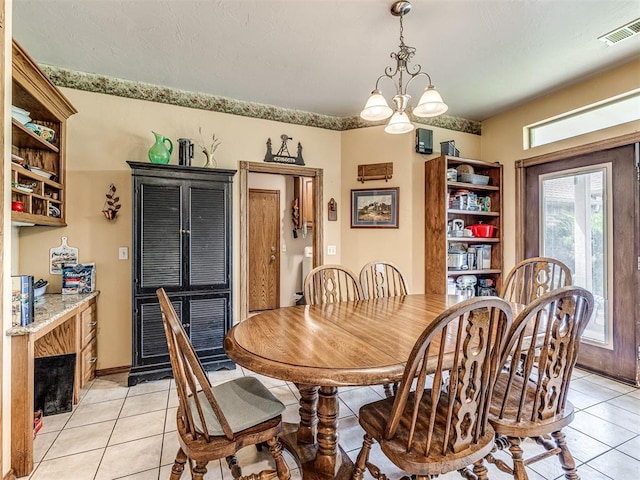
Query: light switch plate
[123, 253]
[331, 250]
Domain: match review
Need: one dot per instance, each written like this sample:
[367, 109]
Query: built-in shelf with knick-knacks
[38, 160]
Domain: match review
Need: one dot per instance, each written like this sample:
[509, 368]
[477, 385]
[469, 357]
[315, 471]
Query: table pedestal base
[312, 466]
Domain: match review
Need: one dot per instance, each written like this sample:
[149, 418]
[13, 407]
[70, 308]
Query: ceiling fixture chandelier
[430, 104]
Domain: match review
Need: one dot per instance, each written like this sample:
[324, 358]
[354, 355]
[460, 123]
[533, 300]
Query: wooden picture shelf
[375, 171]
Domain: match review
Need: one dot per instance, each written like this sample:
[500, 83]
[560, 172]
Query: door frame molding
[317, 231]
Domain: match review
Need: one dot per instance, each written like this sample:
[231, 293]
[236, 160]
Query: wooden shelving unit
[438, 215]
[34, 92]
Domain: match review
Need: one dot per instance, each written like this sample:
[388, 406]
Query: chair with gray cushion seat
[215, 422]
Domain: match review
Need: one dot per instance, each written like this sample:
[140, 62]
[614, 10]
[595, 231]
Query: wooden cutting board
[61, 256]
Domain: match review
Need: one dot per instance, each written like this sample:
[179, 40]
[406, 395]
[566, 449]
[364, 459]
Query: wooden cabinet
[303, 192]
[63, 324]
[442, 207]
[88, 356]
[41, 194]
[181, 242]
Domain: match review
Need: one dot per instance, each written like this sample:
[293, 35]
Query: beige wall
[403, 246]
[502, 135]
[105, 133]
[109, 130]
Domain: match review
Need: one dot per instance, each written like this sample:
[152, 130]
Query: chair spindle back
[382, 279]
[189, 375]
[534, 277]
[538, 367]
[331, 284]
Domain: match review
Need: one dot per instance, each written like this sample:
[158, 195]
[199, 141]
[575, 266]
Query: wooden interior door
[611, 192]
[264, 249]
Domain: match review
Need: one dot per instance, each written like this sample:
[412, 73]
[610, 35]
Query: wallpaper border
[95, 83]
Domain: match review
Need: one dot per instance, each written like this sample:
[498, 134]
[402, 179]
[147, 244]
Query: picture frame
[375, 208]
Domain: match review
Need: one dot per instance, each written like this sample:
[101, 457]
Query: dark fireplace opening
[53, 378]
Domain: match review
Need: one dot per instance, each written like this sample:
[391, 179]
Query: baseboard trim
[112, 371]
[10, 475]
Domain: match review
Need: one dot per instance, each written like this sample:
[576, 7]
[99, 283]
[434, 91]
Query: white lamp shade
[399, 123]
[430, 104]
[376, 108]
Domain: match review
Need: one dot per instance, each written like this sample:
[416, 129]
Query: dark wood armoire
[182, 229]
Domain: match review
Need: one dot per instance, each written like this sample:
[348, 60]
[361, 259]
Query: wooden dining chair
[215, 422]
[430, 431]
[331, 284]
[380, 279]
[530, 396]
[534, 277]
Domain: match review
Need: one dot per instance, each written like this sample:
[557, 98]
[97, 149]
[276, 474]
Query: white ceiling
[323, 56]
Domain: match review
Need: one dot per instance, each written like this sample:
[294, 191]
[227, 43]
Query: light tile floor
[116, 432]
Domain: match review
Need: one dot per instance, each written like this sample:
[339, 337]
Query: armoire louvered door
[181, 242]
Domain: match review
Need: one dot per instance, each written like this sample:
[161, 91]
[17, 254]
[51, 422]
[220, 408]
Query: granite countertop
[51, 308]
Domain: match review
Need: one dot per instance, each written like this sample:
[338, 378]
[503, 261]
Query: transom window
[611, 112]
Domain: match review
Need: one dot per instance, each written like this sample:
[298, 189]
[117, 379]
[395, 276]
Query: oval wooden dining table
[323, 347]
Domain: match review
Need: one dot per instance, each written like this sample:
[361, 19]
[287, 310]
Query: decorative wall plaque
[332, 210]
[283, 155]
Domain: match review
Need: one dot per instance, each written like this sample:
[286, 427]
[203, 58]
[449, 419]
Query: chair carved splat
[530, 395]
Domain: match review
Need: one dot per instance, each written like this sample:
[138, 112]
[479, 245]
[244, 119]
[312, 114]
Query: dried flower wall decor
[111, 204]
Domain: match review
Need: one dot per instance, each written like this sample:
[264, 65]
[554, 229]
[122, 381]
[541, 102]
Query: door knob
[273, 248]
[273, 257]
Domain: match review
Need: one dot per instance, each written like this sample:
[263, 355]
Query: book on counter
[22, 301]
[79, 278]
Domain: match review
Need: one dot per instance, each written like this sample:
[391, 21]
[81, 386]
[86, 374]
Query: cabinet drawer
[88, 324]
[88, 361]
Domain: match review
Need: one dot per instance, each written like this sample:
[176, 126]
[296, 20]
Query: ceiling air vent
[622, 33]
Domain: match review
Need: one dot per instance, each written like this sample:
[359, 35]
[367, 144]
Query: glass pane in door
[574, 222]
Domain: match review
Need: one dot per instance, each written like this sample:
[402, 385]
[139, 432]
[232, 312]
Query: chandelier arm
[390, 77]
[418, 74]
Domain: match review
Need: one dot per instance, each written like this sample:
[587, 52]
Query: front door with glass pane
[583, 212]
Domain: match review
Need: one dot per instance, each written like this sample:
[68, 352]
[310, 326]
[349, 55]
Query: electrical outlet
[123, 253]
[331, 250]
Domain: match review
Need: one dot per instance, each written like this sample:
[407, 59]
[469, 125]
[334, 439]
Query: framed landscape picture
[375, 208]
